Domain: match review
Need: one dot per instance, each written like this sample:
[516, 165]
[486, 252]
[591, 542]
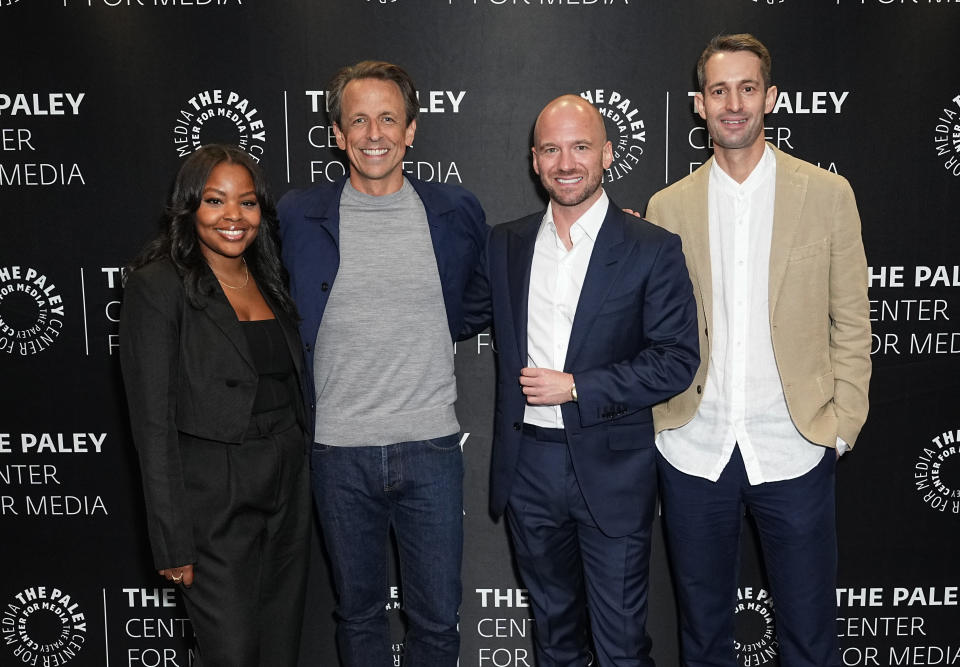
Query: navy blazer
[186, 371]
[633, 344]
[310, 235]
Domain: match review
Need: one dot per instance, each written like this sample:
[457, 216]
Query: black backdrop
[100, 100]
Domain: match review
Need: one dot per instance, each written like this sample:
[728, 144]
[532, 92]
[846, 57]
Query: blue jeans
[417, 489]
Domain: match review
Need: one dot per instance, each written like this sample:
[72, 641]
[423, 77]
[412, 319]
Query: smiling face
[733, 101]
[228, 218]
[570, 153]
[374, 134]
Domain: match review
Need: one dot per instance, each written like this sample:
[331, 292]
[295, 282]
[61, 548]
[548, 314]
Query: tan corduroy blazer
[819, 312]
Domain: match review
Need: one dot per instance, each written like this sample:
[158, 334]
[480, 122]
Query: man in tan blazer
[774, 251]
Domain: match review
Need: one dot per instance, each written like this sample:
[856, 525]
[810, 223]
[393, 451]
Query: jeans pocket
[446, 443]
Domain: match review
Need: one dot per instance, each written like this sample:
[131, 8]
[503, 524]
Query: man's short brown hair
[731, 43]
[373, 69]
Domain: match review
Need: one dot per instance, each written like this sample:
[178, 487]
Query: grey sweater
[383, 363]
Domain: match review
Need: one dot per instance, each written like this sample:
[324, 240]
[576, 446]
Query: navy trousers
[571, 569]
[796, 520]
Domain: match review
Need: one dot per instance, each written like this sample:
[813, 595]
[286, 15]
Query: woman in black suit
[211, 360]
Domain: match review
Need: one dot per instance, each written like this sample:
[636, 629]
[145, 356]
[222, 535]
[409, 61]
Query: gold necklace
[246, 276]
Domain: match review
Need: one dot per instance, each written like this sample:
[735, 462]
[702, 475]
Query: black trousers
[251, 507]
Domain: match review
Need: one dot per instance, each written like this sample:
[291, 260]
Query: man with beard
[774, 250]
[595, 322]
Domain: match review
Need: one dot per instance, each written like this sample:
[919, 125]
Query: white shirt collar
[589, 223]
[764, 169]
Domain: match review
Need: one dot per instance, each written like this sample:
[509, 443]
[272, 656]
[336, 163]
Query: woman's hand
[178, 575]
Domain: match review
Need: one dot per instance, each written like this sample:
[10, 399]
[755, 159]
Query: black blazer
[186, 371]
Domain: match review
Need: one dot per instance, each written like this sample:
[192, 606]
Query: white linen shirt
[743, 403]
[556, 278]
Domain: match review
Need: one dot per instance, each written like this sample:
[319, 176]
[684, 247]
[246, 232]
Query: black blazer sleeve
[154, 304]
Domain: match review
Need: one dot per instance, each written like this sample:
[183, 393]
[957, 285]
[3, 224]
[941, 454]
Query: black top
[271, 357]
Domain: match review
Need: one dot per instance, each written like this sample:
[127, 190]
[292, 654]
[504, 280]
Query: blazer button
[516, 426]
[699, 389]
[324, 287]
[232, 383]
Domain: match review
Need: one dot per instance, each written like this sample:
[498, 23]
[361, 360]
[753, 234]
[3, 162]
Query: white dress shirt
[743, 402]
[556, 277]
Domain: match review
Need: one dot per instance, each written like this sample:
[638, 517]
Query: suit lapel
[520, 247]
[290, 334]
[696, 238]
[602, 270]
[221, 312]
[791, 189]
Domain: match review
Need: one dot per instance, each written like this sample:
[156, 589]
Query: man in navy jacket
[595, 322]
[379, 264]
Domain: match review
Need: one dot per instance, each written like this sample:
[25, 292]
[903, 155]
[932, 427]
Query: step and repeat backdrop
[101, 100]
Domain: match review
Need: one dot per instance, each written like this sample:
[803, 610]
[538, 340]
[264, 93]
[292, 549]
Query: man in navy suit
[594, 321]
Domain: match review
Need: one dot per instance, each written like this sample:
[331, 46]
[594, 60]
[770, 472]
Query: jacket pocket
[618, 302]
[638, 435]
[808, 250]
[826, 383]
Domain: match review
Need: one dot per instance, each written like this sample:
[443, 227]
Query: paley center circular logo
[219, 116]
[936, 473]
[31, 311]
[946, 136]
[755, 631]
[42, 626]
[625, 130]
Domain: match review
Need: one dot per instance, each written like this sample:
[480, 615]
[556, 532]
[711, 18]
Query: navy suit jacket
[310, 234]
[633, 344]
